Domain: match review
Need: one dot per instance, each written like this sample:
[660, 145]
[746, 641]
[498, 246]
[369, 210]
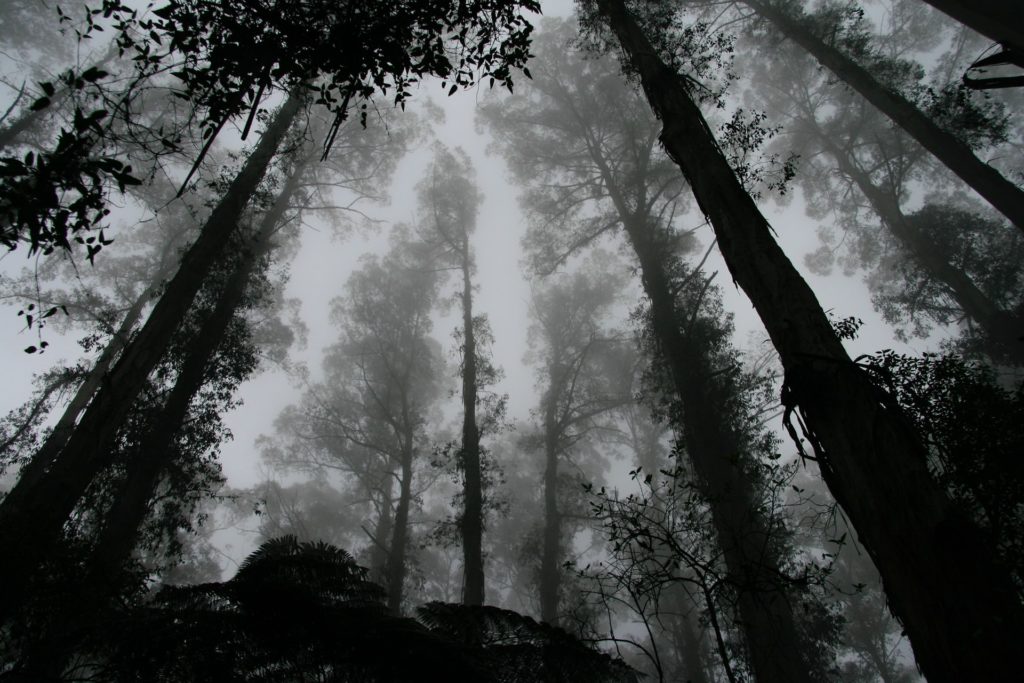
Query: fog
[701, 457]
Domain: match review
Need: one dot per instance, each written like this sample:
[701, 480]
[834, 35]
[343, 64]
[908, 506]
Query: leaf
[41, 103]
[30, 349]
[451, 91]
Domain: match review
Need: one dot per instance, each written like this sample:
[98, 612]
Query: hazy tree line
[678, 505]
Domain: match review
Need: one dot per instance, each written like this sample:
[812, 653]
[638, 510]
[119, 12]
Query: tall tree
[941, 263]
[944, 144]
[204, 36]
[582, 131]
[31, 516]
[569, 345]
[944, 582]
[449, 203]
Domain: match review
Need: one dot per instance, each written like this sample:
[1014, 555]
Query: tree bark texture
[1005, 196]
[472, 514]
[958, 606]
[32, 523]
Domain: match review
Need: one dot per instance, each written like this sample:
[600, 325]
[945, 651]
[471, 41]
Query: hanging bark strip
[31, 520]
[959, 607]
[1002, 194]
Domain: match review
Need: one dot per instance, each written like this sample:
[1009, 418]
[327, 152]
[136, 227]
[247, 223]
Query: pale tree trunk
[472, 515]
[958, 606]
[1006, 197]
[1003, 328]
[32, 521]
[383, 531]
[999, 20]
[400, 535]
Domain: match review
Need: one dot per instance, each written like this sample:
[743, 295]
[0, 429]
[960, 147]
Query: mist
[496, 340]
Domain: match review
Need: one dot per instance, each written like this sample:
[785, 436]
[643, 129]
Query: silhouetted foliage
[306, 611]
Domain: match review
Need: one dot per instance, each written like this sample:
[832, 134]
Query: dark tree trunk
[745, 536]
[1006, 197]
[1003, 329]
[959, 607]
[472, 515]
[36, 468]
[33, 522]
[156, 453]
[999, 20]
[550, 576]
[400, 536]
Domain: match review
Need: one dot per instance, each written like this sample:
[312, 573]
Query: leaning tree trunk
[1006, 197]
[958, 606]
[999, 20]
[155, 456]
[472, 514]
[36, 468]
[32, 521]
[1003, 329]
[550, 576]
[745, 536]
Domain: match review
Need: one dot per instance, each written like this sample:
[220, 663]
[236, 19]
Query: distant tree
[448, 203]
[587, 148]
[936, 568]
[848, 53]
[940, 264]
[570, 346]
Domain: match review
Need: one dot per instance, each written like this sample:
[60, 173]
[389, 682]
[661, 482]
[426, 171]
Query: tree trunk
[1003, 329]
[32, 523]
[550, 576]
[959, 607]
[745, 536]
[1006, 197]
[400, 536]
[36, 468]
[999, 20]
[472, 515]
[155, 455]
[382, 533]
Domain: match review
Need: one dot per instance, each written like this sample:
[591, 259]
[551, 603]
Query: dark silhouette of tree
[32, 515]
[856, 71]
[590, 138]
[944, 582]
[307, 610]
[449, 202]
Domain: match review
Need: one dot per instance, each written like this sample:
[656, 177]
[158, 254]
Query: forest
[512, 340]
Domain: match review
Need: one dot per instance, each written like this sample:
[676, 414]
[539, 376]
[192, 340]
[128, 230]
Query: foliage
[307, 611]
[974, 430]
